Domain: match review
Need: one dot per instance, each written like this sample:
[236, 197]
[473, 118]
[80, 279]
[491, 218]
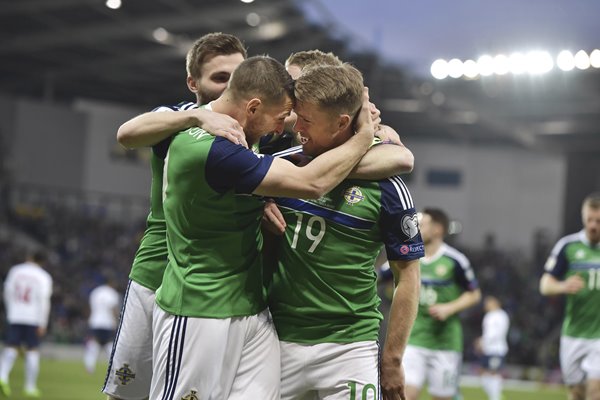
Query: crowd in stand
[85, 244]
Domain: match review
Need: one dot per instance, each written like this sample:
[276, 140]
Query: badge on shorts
[191, 396]
[125, 375]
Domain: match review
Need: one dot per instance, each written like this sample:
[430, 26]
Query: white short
[579, 359]
[215, 359]
[439, 368]
[130, 365]
[331, 371]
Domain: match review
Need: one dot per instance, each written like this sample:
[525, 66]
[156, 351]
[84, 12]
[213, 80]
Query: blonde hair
[310, 58]
[592, 201]
[335, 88]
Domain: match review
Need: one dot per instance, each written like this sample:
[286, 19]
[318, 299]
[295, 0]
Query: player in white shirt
[105, 303]
[493, 346]
[27, 292]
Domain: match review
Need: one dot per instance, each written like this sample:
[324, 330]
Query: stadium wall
[503, 190]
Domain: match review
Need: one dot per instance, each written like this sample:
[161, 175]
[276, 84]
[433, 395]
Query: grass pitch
[68, 380]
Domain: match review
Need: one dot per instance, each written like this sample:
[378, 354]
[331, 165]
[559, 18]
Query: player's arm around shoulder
[384, 159]
[402, 315]
[151, 128]
[323, 173]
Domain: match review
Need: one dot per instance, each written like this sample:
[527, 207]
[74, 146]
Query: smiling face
[214, 76]
[318, 130]
[263, 119]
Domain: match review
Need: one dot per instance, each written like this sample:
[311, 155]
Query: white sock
[9, 355]
[32, 368]
[495, 387]
[486, 383]
[92, 348]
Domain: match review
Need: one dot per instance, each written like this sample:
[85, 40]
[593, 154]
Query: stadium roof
[64, 49]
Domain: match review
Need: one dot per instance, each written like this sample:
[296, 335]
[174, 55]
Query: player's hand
[441, 312]
[223, 125]
[364, 123]
[273, 220]
[392, 379]
[477, 346]
[387, 134]
[573, 284]
[375, 115]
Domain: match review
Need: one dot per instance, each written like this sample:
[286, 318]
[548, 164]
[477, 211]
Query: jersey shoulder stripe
[332, 215]
[564, 241]
[396, 187]
[456, 255]
[287, 152]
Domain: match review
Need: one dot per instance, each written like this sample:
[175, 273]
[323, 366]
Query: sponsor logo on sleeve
[411, 249]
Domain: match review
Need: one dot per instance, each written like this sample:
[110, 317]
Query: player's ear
[191, 84]
[344, 122]
[252, 106]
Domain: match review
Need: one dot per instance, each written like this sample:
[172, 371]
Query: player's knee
[593, 390]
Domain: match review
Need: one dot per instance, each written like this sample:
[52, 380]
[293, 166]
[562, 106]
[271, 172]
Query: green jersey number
[369, 391]
[594, 279]
[315, 224]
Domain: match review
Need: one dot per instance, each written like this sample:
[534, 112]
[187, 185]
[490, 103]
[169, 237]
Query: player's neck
[226, 105]
[433, 247]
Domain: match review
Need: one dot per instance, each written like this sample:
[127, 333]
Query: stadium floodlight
[247, 1]
[161, 35]
[455, 68]
[517, 63]
[501, 65]
[539, 62]
[113, 4]
[582, 60]
[595, 58]
[565, 60]
[485, 64]
[470, 69]
[253, 19]
[439, 69]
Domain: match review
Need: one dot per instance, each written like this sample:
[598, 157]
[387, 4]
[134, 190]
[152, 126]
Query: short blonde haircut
[336, 89]
[592, 201]
[311, 58]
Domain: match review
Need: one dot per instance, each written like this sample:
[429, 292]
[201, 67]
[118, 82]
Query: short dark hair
[439, 217]
[209, 46]
[261, 77]
[38, 256]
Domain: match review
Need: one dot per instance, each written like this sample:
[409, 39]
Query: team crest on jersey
[353, 195]
[191, 396]
[410, 225]
[125, 375]
[440, 270]
[580, 254]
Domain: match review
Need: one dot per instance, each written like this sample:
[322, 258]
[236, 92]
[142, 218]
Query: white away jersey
[27, 292]
[495, 330]
[104, 304]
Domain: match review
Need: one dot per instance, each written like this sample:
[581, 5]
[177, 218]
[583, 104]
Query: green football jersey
[213, 228]
[574, 255]
[444, 277]
[324, 288]
[151, 257]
